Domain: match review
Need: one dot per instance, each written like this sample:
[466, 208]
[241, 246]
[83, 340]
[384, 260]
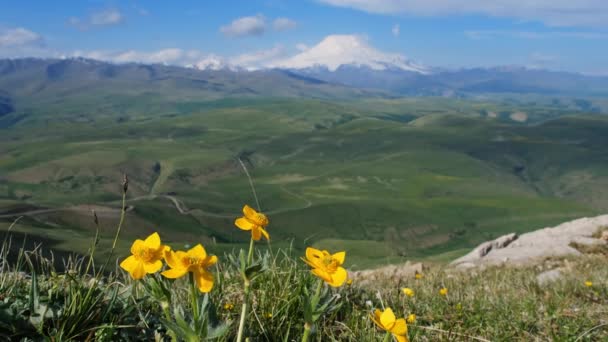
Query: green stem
[122, 219]
[315, 301]
[387, 336]
[168, 317]
[306, 332]
[244, 308]
[92, 254]
[250, 253]
[246, 284]
[194, 297]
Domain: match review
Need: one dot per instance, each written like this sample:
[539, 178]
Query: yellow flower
[269, 315]
[327, 266]
[254, 221]
[146, 257]
[588, 284]
[349, 281]
[411, 319]
[387, 321]
[408, 292]
[195, 260]
[228, 306]
[419, 275]
[443, 291]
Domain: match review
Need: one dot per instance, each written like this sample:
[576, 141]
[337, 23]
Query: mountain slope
[347, 50]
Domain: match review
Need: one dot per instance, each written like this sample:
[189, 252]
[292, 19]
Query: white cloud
[550, 12]
[245, 26]
[283, 24]
[107, 17]
[164, 56]
[18, 37]
[396, 30]
[258, 59]
[491, 34]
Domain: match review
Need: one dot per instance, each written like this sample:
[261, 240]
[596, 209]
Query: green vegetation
[497, 304]
[393, 179]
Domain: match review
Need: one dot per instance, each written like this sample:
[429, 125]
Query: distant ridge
[372, 77]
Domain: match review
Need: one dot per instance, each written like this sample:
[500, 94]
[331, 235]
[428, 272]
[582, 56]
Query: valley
[387, 178]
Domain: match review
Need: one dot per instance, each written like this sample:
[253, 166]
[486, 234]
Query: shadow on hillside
[45, 247]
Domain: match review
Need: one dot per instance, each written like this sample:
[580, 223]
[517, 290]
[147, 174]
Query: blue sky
[554, 34]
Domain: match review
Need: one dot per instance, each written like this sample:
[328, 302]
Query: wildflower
[411, 319]
[387, 321]
[588, 283]
[254, 221]
[407, 291]
[349, 281]
[146, 257]
[327, 266]
[195, 260]
[419, 275]
[228, 306]
[443, 291]
[269, 315]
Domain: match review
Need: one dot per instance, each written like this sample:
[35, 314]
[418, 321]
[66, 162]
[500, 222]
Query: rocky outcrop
[537, 245]
[395, 273]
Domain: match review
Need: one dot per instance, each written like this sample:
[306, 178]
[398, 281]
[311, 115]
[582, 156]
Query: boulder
[530, 248]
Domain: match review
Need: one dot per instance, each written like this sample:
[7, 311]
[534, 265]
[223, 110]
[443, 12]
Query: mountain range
[328, 77]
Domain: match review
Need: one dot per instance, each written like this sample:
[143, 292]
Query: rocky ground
[542, 249]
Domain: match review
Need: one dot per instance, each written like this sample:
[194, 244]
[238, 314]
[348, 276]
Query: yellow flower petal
[265, 233]
[249, 212]
[244, 223]
[339, 277]
[408, 292]
[204, 280]
[314, 257]
[153, 267]
[255, 233]
[153, 241]
[340, 256]
[197, 252]
[129, 263]
[400, 327]
[321, 274]
[376, 318]
[137, 246]
[387, 319]
[212, 260]
[175, 259]
[138, 271]
[175, 273]
[401, 338]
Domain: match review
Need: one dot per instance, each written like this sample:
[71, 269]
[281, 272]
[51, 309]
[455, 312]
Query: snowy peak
[215, 63]
[348, 50]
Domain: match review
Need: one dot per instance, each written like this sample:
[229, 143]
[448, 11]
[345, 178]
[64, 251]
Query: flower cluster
[147, 256]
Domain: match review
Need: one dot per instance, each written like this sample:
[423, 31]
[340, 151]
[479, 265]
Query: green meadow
[388, 180]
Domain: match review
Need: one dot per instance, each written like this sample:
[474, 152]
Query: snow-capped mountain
[335, 51]
[332, 53]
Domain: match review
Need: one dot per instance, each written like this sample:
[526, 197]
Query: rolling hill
[386, 178]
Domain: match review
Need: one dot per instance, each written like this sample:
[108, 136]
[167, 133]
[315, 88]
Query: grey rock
[532, 247]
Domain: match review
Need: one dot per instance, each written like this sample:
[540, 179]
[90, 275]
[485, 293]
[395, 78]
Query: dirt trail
[179, 206]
